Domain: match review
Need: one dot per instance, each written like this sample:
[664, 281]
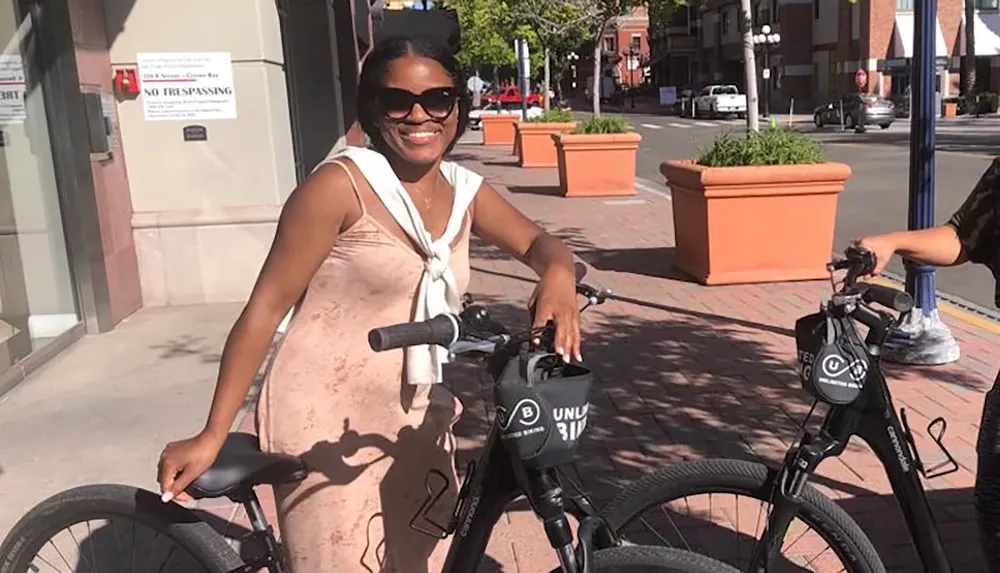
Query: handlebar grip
[442, 330]
[888, 297]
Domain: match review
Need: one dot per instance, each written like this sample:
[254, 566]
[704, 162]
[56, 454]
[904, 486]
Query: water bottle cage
[942, 468]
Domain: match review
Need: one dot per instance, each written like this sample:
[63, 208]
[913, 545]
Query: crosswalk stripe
[651, 126]
[680, 125]
[705, 124]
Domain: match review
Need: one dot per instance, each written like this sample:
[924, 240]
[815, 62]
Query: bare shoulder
[326, 194]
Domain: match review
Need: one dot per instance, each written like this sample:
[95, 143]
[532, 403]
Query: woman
[972, 234]
[371, 238]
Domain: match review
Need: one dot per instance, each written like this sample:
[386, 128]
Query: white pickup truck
[719, 100]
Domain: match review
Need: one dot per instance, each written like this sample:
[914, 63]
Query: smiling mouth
[420, 137]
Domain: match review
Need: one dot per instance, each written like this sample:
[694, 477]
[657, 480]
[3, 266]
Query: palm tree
[969, 61]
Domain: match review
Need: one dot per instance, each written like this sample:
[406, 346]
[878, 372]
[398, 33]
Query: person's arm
[972, 233]
[309, 224]
[499, 223]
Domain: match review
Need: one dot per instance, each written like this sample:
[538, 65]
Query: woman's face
[417, 109]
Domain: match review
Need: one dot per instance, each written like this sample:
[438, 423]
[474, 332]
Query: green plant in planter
[603, 124]
[553, 116]
[774, 146]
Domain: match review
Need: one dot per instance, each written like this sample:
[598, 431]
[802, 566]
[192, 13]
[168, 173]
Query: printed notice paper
[12, 88]
[186, 86]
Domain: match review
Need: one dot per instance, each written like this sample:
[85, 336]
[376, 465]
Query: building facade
[823, 45]
[147, 152]
[625, 53]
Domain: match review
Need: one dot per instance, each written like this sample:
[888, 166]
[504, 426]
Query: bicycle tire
[649, 559]
[749, 479]
[93, 502]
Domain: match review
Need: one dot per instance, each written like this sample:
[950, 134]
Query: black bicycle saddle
[241, 465]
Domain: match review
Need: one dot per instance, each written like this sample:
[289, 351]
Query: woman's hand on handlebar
[555, 299]
[882, 246]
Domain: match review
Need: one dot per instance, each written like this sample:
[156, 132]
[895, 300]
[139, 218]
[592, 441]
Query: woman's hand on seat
[183, 461]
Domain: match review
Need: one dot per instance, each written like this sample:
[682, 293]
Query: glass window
[636, 45]
[987, 4]
[609, 44]
[904, 5]
[37, 299]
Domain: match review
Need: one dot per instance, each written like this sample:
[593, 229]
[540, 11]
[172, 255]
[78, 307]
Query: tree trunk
[750, 66]
[595, 89]
[558, 77]
[969, 61]
[548, 80]
[477, 94]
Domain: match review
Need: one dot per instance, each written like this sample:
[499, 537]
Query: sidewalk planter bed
[499, 129]
[949, 107]
[535, 146]
[759, 208]
[597, 159]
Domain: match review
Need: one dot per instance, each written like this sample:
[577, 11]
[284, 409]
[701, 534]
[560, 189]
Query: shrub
[773, 146]
[603, 124]
[553, 116]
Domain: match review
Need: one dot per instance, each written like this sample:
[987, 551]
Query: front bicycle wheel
[113, 528]
[823, 536]
[645, 559]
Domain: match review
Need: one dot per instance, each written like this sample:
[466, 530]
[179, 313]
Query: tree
[483, 39]
[559, 25]
[969, 61]
[749, 65]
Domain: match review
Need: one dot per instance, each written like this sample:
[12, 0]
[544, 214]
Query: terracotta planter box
[499, 129]
[596, 164]
[949, 109]
[754, 224]
[535, 146]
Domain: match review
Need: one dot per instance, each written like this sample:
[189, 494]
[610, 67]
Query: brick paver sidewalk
[689, 372]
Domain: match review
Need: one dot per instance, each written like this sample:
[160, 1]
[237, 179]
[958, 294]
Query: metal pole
[767, 86]
[523, 78]
[922, 338]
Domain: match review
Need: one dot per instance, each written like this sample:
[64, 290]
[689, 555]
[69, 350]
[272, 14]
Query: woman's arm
[972, 233]
[309, 224]
[498, 222]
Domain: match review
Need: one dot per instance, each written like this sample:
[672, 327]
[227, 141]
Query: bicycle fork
[786, 495]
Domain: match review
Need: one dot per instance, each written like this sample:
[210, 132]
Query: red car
[511, 96]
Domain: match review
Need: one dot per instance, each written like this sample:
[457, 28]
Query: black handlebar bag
[833, 361]
[542, 406]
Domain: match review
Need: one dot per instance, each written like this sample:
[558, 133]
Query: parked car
[476, 115]
[856, 111]
[719, 100]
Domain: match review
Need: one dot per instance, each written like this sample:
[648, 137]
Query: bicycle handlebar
[450, 330]
[860, 262]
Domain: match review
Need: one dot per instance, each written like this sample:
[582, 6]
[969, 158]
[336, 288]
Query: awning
[987, 34]
[903, 37]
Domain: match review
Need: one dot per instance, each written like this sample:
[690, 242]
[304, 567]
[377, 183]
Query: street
[875, 198]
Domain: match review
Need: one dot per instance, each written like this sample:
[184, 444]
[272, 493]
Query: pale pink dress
[367, 436]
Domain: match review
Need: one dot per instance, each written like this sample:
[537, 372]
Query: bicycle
[542, 405]
[860, 404]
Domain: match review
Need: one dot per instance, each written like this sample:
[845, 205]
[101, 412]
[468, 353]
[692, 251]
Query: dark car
[856, 111]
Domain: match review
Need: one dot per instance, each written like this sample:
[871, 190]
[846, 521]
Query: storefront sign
[185, 86]
[11, 89]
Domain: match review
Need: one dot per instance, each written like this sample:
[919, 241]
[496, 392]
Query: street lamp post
[573, 57]
[766, 40]
[631, 74]
[922, 337]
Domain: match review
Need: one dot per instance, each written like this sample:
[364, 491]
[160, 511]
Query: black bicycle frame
[872, 417]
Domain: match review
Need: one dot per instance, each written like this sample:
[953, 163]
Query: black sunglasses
[397, 104]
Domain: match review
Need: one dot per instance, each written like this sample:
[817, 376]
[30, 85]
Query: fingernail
[560, 352]
[167, 496]
[579, 358]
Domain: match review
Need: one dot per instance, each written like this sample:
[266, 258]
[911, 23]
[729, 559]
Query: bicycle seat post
[273, 558]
